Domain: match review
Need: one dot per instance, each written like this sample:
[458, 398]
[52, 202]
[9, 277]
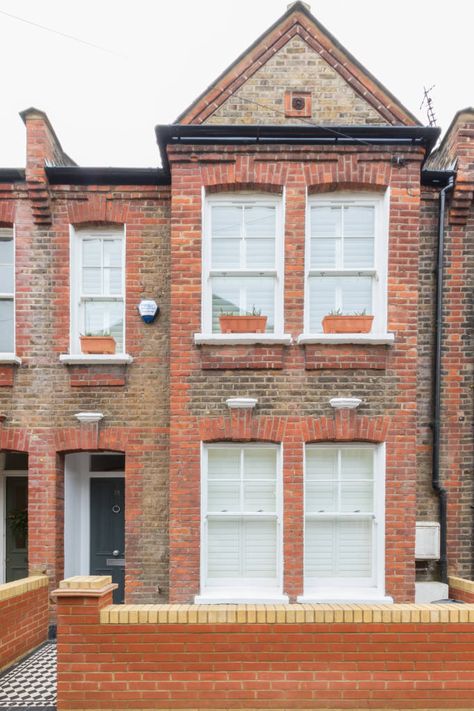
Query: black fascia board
[425, 136]
[12, 175]
[76, 175]
[436, 178]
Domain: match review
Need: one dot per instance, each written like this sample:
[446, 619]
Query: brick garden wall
[260, 657]
[23, 617]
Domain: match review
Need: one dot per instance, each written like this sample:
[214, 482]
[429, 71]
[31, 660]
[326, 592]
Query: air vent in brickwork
[298, 103]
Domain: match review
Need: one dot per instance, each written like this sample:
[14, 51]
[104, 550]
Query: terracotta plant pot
[347, 324]
[97, 344]
[243, 324]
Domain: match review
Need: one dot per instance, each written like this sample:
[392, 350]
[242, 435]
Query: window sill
[357, 338]
[244, 599]
[358, 597]
[235, 339]
[99, 359]
[9, 359]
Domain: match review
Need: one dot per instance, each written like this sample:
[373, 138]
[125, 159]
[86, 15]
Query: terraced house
[244, 446]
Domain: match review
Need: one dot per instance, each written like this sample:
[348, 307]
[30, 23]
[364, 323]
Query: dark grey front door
[108, 530]
[16, 528]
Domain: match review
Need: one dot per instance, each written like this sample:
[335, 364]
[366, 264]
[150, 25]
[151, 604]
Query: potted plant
[93, 344]
[249, 322]
[338, 322]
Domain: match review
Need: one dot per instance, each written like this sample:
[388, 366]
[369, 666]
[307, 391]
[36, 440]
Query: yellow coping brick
[22, 586]
[85, 582]
[461, 584]
[286, 614]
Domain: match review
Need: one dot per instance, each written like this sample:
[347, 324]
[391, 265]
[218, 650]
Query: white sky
[104, 105]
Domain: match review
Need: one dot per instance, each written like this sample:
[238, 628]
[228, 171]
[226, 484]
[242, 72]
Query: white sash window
[346, 258]
[344, 521]
[242, 260]
[7, 291]
[98, 285]
[241, 523]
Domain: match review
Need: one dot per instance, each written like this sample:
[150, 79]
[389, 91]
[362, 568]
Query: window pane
[260, 497]
[358, 237]
[104, 318]
[223, 463]
[325, 236]
[356, 294]
[338, 549]
[321, 463]
[321, 497]
[6, 250]
[92, 281]
[226, 221]
[322, 300]
[91, 252]
[7, 341]
[6, 278]
[259, 546]
[357, 463]
[112, 282]
[241, 295]
[225, 253]
[223, 496]
[259, 464]
[260, 221]
[357, 497]
[224, 549]
[113, 253]
[260, 253]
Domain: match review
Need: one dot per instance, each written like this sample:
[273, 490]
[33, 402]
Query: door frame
[77, 476]
[4, 473]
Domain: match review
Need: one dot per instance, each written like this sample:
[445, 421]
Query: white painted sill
[241, 599]
[354, 598]
[235, 339]
[99, 359]
[9, 358]
[357, 338]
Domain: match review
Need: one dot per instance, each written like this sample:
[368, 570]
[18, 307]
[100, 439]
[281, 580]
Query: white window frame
[352, 589]
[76, 237]
[379, 273]
[233, 591]
[9, 356]
[233, 199]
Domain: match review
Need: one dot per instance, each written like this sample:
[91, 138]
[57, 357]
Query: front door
[107, 534]
[16, 528]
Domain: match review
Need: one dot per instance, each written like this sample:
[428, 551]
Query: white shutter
[260, 233]
[356, 294]
[241, 295]
[339, 510]
[326, 230]
[359, 232]
[7, 277]
[242, 524]
[338, 549]
[7, 341]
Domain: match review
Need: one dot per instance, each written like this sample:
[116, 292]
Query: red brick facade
[160, 408]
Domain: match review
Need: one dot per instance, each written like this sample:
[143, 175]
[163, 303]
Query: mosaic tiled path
[30, 685]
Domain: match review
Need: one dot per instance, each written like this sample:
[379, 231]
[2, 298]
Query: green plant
[340, 312]
[18, 521]
[104, 333]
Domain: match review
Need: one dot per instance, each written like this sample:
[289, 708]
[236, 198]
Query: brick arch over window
[347, 174]
[346, 426]
[88, 437]
[241, 426]
[244, 173]
[14, 439]
[97, 208]
[7, 213]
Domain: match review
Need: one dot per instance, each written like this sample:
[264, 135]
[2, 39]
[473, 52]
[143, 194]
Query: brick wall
[201, 380]
[23, 617]
[292, 657]
[461, 589]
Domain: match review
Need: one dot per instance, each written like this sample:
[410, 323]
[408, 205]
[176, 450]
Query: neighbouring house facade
[276, 462]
